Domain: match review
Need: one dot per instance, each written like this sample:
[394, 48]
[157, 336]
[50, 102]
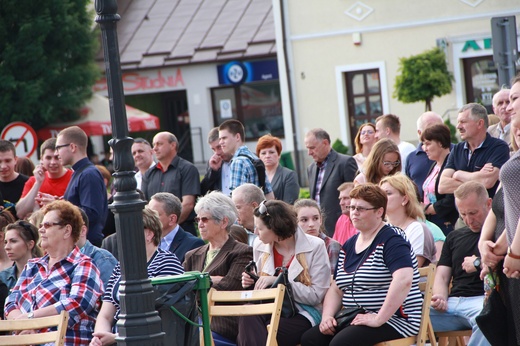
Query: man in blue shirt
[86, 188]
[174, 238]
[479, 157]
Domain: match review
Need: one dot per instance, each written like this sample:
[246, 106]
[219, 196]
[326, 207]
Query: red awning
[95, 120]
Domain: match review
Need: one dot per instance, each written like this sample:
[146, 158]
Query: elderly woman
[439, 209]
[64, 279]
[281, 243]
[283, 180]
[21, 244]
[159, 263]
[365, 140]
[377, 270]
[222, 257]
[310, 220]
[404, 210]
[384, 159]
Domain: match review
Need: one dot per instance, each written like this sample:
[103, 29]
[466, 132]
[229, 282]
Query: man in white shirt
[143, 158]
[389, 126]
[502, 129]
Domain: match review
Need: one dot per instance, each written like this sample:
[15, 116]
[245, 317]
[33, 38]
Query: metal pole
[139, 324]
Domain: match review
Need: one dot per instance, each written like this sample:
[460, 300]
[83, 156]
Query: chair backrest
[58, 337]
[266, 301]
[426, 329]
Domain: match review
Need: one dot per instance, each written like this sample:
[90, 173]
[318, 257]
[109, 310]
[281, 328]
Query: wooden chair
[453, 338]
[267, 301]
[58, 336]
[425, 330]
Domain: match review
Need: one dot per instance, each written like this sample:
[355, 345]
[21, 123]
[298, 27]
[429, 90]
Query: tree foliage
[47, 66]
[422, 77]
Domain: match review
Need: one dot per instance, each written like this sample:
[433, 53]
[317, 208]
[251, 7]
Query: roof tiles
[177, 32]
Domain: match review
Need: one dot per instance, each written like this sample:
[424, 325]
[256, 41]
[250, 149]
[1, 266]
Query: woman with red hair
[283, 180]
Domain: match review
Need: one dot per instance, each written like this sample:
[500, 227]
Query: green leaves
[47, 65]
[422, 77]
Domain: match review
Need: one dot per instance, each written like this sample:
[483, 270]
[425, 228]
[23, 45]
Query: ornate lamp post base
[139, 324]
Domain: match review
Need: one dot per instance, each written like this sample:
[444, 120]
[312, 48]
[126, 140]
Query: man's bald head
[426, 120]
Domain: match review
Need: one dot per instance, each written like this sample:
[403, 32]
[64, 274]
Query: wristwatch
[476, 263]
[30, 315]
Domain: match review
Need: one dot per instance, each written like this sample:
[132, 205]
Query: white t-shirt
[421, 240]
[405, 149]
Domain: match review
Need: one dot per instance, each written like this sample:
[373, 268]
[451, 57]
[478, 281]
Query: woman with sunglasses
[365, 140]
[377, 271]
[404, 210]
[383, 160]
[281, 243]
[222, 257]
[159, 263]
[21, 244]
[63, 279]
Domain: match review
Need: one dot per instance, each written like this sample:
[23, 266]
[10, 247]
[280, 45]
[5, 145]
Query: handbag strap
[365, 256]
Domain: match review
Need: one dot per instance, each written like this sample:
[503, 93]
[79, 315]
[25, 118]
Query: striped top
[162, 263]
[389, 252]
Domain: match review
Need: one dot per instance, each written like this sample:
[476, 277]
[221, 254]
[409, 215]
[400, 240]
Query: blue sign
[237, 72]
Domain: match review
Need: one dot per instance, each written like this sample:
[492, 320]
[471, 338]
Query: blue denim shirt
[102, 259]
[8, 277]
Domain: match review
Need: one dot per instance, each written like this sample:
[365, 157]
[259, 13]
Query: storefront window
[481, 81]
[257, 105]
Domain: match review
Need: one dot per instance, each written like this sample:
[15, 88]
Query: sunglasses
[359, 209]
[203, 219]
[48, 225]
[262, 209]
[367, 132]
[391, 163]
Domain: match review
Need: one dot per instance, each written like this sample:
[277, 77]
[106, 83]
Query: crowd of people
[371, 221]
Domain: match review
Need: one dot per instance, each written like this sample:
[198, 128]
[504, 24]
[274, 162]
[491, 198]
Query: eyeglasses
[359, 209]
[203, 219]
[58, 147]
[262, 209]
[367, 132]
[48, 225]
[390, 163]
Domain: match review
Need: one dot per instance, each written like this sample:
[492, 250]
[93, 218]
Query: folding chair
[425, 330]
[267, 301]
[58, 337]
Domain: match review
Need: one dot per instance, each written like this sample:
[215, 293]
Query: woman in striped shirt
[377, 270]
[159, 263]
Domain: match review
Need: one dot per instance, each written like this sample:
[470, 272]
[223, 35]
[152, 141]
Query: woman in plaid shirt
[64, 279]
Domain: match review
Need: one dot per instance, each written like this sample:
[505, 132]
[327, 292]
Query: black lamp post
[139, 324]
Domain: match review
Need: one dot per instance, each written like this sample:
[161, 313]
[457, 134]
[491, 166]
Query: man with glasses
[479, 157]
[86, 188]
[502, 129]
[329, 170]
[49, 182]
[174, 238]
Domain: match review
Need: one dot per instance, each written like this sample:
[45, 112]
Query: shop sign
[239, 72]
[477, 45]
[138, 81]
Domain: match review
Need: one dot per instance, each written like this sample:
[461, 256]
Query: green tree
[422, 77]
[47, 66]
